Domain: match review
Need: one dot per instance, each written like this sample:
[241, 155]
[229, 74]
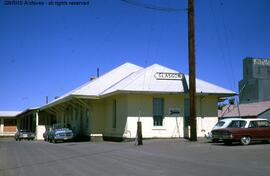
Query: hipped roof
[132, 78]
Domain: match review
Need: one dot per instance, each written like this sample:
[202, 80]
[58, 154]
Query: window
[114, 114]
[220, 124]
[247, 71]
[252, 124]
[263, 124]
[158, 111]
[237, 124]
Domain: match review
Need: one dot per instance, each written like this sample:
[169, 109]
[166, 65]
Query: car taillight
[231, 135]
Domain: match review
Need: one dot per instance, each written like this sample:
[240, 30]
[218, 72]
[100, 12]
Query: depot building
[8, 123]
[110, 106]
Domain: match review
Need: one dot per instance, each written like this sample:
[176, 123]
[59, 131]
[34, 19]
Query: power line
[226, 50]
[152, 6]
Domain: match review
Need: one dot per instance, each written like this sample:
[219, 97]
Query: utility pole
[192, 71]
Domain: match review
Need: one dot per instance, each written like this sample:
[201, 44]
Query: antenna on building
[47, 99]
[97, 72]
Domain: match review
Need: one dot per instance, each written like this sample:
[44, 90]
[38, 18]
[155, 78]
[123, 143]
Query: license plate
[24, 135]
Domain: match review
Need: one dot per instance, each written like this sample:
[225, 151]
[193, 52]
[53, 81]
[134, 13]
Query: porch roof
[9, 113]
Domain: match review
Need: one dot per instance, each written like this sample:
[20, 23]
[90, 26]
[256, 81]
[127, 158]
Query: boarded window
[10, 125]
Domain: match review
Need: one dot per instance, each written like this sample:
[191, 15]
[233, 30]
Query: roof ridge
[119, 82]
[92, 81]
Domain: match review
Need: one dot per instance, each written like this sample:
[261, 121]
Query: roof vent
[93, 78]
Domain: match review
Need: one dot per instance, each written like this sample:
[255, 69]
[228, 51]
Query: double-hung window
[158, 111]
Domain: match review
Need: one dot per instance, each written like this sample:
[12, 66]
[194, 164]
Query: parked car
[46, 134]
[220, 124]
[24, 134]
[60, 134]
[244, 131]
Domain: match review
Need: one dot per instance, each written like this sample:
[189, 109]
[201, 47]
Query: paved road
[155, 157]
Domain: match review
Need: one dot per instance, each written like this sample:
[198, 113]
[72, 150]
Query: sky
[48, 50]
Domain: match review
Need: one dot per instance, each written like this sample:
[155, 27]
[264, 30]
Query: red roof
[244, 110]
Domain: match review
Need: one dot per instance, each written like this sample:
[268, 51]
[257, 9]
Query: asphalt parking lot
[155, 157]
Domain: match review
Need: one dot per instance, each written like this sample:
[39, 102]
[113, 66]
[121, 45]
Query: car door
[264, 129]
[259, 129]
[254, 131]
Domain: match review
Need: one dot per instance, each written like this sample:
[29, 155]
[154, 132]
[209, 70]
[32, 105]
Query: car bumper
[222, 137]
[26, 137]
[63, 138]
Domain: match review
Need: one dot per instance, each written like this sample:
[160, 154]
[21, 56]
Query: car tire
[245, 140]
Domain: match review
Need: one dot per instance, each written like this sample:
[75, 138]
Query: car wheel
[245, 140]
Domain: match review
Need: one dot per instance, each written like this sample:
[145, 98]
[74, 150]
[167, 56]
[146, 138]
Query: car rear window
[220, 124]
[237, 124]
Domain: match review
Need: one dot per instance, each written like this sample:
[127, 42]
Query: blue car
[59, 134]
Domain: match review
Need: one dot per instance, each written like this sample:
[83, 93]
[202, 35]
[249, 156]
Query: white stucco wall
[172, 127]
[1, 125]
[141, 106]
[40, 129]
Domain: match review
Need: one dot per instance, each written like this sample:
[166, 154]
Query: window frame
[158, 115]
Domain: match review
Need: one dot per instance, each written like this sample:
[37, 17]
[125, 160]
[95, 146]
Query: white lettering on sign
[261, 61]
[168, 76]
